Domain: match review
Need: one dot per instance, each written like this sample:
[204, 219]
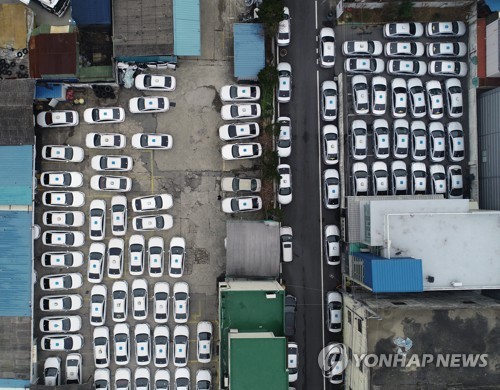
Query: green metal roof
[258, 363]
[187, 34]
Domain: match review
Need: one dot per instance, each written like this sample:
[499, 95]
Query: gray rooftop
[143, 28]
[15, 339]
[16, 112]
[253, 249]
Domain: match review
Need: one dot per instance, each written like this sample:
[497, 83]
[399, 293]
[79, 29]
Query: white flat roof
[460, 248]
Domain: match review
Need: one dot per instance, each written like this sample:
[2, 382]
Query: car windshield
[234, 111]
[177, 250]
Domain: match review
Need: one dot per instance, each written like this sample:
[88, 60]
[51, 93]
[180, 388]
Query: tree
[270, 15]
[270, 162]
[406, 10]
[268, 79]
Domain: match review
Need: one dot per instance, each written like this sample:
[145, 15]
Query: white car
[152, 141]
[104, 115]
[334, 311]
[456, 141]
[380, 177]
[161, 342]
[116, 248]
[241, 151]
[180, 297]
[112, 163]
[418, 133]
[140, 299]
[181, 346]
[119, 215]
[332, 244]
[445, 29]
[63, 238]
[360, 94]
[62, 153]
[57, 118]
[102, 379]
[236, 131]
[237, 184]
[381, 139]
[63, 198]
[284, 31]
[95, 268]
[284, 90]
[331, 188]
[293, 362]
[446, 49]
[105, 141]
[240, 111]
[418, 178]
[406, 67]
[362, 48]
[152, 203]
[154, 82]
[97, 224]
[162, 380]
[182, 378]
[161, 298]
[203, 379]
[136, 254]
[399, 175]
[241, 204]
[336, 361]
[74, 369]
[61, 324]
[360, 179]
[437, 175]
[62, 342]
[155, 254]
[379, 95]
[177, 255]
[404, 49]
[285, 184]
[436, 142]
[364, 65]
[448, 68]
[416, 97]
[63, 218]
[153, 222]
[401, 140]
[330, 141]
[329, 94]
[435, 99]
[148, 104]
[284, 142]
[239, 93]
[101, 343]
[142, 378]
[123, 379]
[398, 87]
[110, 183]
[98, 299]
[454, 98]
[62, 179]
[55, 303]
[52, 372]
[121, 339]
[359, 139]
[286, 240]
[455, 182]
[62, 259]
[119, 301]
[326, 41]
[403, 30]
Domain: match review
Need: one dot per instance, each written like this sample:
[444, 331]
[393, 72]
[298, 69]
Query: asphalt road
[308, 277]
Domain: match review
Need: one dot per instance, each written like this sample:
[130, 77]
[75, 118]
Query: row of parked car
[404, 49]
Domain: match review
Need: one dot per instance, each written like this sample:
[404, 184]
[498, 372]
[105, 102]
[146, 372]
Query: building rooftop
[16, 190]
[187, 36]
[54, 55]
[249, 50]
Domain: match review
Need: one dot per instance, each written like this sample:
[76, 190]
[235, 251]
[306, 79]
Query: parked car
[286, 240]
[284, 31]
[399, 176]
[237, 184]
[329, 100]
[241, 204]
[403, 30]
[97, 224]
[401, 141]
[110, 183]
[434, 99]
[162, 380]
[63, 238]
[121, 340]
[240, 111]
[74, 369]
[119, 301]
[404, 49]
[161, 343]
[364, 65]
[63, 198]
[448, 68]
[284, 90]
[155, 254]
[336, 358]
[152, 222]
[62, 342]
[66, 259]
[148, 104]
[418, 178]
[152, 203]
[290, 315]
[123, 379]
[98, 300]
[332, 244]
[62, 118]
[418, 140]
[181, 346]
[334, 311]
[293, 361]
[142, 337]
[119, 215]
[437, 175]
[204, 336]
[406, 67]
[180, 301]
[379, 95]
[416, 97]
[139, 299]
[60, 324]
[203, 379]
[136, 254]
[105, 141]
[112, 163]
[381, 138]
[284, 142]
[154, 82]
[360, 94]
[142, 378]
[285, 184]
[445, 29]
[360, 179]
[241, 151]
[446, 49]
[240, 93]
[330, 142]
[161, 298]
[455, 182]
[326, 41]
[182, 378]
[362, 48]
[359, 139]
[454, 98]
[152, 141]
[62, 153]
[56, 303]
[237, 131]
[380, 177]
[436, 142]
[102, 379]
[52, 371]
[63, 218]
[116, 248]
[331, 188]
[398, 87]
[95, 267]
[456, 141]
[104, 115]
[177, 254]
[62, 179]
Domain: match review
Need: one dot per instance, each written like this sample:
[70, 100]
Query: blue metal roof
[391, 275]
[91, 12]
[16, 257]
[49, 91]
[14, 384]
[16, 175]
[494, 5]
[187, 35]
[249, 50]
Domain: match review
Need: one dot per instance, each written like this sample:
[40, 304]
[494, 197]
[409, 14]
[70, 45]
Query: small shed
[249, 50]
[54, 56]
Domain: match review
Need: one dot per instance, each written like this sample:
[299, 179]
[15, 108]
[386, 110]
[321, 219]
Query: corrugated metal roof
[53, 54]
[16, 257]
[249, 50]
[187, 39]
[16, 175]
[91, 12]
[391, 275]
